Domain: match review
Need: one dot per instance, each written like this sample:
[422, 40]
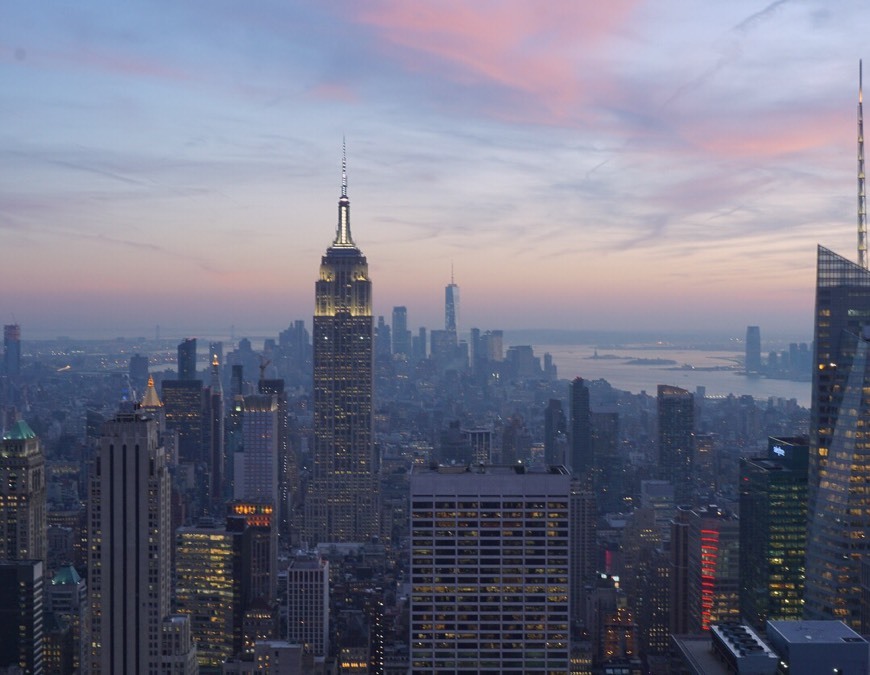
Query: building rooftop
[19, 431]
[66, 575]
[814, 632]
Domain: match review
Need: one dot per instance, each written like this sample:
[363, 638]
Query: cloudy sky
[589, 165]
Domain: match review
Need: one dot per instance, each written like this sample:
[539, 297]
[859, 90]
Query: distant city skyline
[624, 166]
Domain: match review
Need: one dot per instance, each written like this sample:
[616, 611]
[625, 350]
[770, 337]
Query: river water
[691, 368]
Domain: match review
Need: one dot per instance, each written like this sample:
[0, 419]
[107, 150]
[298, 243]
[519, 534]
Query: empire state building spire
[862, 197]
[342, 231]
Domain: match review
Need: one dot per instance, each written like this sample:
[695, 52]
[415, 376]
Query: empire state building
[342, 504]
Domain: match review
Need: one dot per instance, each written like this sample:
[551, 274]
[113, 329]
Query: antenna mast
[862, 199]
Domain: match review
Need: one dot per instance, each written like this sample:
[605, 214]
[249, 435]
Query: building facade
[342, 503]
[839, 463]
[490, 570]
[22, 495]
[676, 422]
[129, 534]
[773, 532]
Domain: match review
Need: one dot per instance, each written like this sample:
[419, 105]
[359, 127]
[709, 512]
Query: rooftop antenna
[343, 167]
[862, 200]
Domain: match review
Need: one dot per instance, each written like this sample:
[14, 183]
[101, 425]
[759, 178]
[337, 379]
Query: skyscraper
[22, 595]
[451, 310]
[489, 570]
[839, 467]
[753, 350]
[187, 359]
[12, 349]
[581, 460]
[676, 420]
[22, 495]
[129, 538]
[773, 532]
[555, 433]
[342, 503]
[308, 603]
[401, 334]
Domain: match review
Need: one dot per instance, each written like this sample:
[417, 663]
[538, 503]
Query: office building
[712, 567]
[342, 504]
[555, 433]
[22, 495]
[183, 407]
[256, 466]
[262, 552]
[288, 470]
[490, 558]
[213, 433]
[177, 650]
[187, 359]
[21, 617]
[582, 460]
[676, 424]
[814, 647]
[209, 587]
[773, 532]
[752, 360]
[129, 536]
[67, 598]
[308, 603]
[839, 464]
[138, 372]
[401, 334]
[12, 350]
[584, 545]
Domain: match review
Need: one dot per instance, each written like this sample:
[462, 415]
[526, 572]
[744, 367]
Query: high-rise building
[129, 536]
[581, 461]
[67, 597]
[555, 433]
[22, 495]
[753, 350]
[213, 432]
[22, 641]
[177, 648]
[839, 464]
[256, 467]
[187, 359]
[451, 310]
[712, 567]
[342, 503]
[183, 408]
[288, 471]
[138, 372]
[401, 334]
[308, 603]
[489, 570]
[676, 423]
[773, 532]
[584, 547]
[210, 587]
[12, 350]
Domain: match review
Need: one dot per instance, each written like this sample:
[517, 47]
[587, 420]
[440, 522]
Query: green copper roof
[66, 575]
[20, 431]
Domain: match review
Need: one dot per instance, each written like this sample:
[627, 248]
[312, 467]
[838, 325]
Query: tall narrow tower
[342, 504]
[451, 309]
[129, 551]
[862, 197]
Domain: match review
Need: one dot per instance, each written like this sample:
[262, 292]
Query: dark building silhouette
[342, 503]
[676, 424]
[187, 359]
[753, 350]
[451, 310]
[213, 442]
[21, 616]
[555, 433]
[138, 372]
[12, 350]
[839, 466]
[582, 460]
[401, 334]
[183, 405]
[773, 532]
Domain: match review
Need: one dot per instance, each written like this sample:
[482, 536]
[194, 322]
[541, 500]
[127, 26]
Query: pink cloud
[543, 53]
[769, 134]
[334, 92]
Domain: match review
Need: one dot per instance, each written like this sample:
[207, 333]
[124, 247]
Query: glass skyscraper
[839, 467]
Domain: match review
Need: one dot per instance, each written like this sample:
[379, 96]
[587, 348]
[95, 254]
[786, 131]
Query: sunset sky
[665, 164]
